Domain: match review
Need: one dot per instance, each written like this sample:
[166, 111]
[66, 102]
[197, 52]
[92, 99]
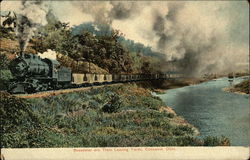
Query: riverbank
[112, 116]
[160, 86]
[241, 88]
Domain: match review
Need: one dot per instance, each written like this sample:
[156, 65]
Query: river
[213, 111]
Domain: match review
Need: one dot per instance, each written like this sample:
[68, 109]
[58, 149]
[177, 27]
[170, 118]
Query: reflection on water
[213, 111]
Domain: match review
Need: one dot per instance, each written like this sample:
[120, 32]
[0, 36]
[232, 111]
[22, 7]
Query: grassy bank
[123, 116]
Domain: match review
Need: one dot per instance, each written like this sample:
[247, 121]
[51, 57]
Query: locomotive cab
[54, 67]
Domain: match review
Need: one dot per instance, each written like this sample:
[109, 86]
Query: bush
[113, 105]
[183, 130]
[171, 115]
[216, 141]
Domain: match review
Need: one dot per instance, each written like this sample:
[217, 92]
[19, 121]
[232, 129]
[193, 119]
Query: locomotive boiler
[32, 74]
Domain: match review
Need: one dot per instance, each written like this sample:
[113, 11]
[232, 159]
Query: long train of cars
[33, 74]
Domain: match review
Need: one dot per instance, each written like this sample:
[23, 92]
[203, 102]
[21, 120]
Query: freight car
[32, 74]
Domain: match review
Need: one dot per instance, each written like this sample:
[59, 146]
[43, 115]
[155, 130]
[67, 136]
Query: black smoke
[121, 10]
[23, 31]
[31, 15]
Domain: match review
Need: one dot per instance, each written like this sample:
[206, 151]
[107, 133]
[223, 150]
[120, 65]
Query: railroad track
[61, 91]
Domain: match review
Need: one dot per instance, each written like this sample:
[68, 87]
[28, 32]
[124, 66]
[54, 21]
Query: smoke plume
[24, 29]
[31, 14]
[193, 35]
[50, 54]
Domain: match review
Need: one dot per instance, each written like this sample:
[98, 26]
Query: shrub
[170, 115]
[113, 105]
[216, 141]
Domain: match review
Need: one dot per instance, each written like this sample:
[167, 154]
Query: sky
[211, 36]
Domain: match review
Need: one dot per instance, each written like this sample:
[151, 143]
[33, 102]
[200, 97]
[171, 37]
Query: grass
[119, 116]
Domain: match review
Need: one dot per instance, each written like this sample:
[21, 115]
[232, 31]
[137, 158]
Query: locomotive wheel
[16, 88]
[53, 86]
[29, 90]
[45, 87]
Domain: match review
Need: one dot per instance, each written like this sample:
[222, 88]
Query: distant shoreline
[241, 88]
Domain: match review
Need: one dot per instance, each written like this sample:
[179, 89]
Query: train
[34, 74]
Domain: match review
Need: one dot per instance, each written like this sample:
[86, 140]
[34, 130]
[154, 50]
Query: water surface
[213, 111]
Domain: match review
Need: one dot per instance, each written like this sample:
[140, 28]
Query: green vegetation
[216, 141]
[4, 62]
[103, 29]
[5, 74]
[104, 49]
[111, 116]
[18, 121]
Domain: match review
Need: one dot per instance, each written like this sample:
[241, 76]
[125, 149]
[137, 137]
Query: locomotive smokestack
[21, 53]
[21, 44]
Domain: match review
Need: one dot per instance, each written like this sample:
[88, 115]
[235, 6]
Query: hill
[106, 51]
[102, 30]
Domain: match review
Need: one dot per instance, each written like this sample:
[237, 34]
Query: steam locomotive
[33, 74]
